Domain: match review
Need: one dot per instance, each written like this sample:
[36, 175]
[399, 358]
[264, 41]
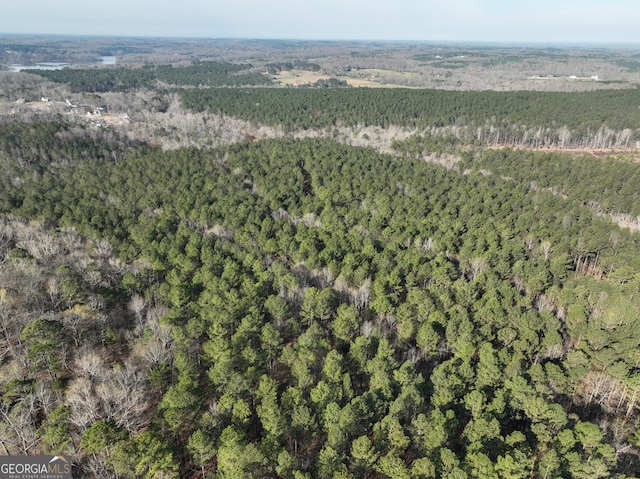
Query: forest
[601, 119]
[126, 78]
[308, 307]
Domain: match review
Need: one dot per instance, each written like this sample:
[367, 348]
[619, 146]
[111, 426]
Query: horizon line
[573, 43]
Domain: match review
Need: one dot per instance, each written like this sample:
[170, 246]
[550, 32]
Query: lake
[105, 60]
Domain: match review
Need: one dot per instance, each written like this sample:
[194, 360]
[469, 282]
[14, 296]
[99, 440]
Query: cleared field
[299, 77]
[305, 77]
[386, 78]
[363, 82]
[375, 72]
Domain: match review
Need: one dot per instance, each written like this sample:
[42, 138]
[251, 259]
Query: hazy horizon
[483, 21]
[499, 43]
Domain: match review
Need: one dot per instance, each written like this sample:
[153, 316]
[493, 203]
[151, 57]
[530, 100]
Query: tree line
[121, 78]
[596, 119]
[599, 119]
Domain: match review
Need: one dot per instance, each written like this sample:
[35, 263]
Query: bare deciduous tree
[545, 249]
[530, 242]
[361, 296]
[18, 422]
[477, 266]
[124, 398]
[136, 305]
[84, 404]
[91, 365]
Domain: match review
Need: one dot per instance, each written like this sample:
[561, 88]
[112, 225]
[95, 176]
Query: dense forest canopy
[305, 308]
[601, 119]
[124, 78]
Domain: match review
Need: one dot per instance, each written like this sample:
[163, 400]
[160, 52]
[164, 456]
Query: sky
[540, 21]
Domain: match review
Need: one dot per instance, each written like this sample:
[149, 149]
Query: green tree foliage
[236, 458]
[147, 455]
[101, 436]
[200, 73]
[54, 432]
[531, 118]
[302, 308]
[44, 340]
[268, 410]
[201, 447]
[180, 404]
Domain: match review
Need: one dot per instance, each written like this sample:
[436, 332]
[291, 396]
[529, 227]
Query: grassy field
[299, 77]
[376, 72]
[305, 77]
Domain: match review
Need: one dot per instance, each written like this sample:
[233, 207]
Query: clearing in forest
[306, 77]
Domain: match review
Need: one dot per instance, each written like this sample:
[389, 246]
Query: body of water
[105, 60]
